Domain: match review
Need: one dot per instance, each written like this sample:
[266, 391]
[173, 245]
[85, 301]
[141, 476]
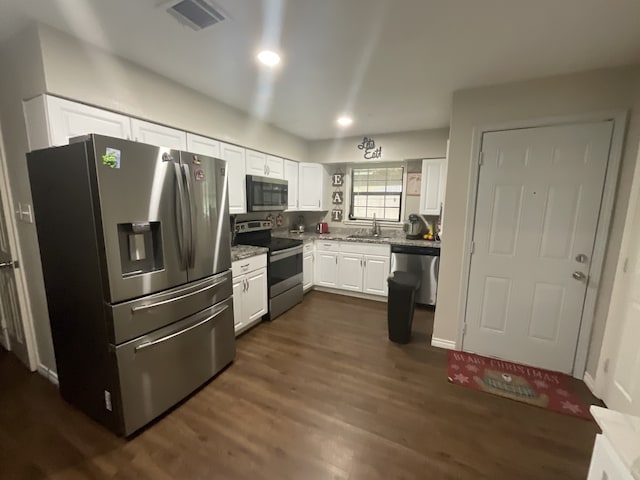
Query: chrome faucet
[375, 228]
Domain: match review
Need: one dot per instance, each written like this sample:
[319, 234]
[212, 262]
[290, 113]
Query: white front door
[622, 389]
[538, 203]
[11, 329]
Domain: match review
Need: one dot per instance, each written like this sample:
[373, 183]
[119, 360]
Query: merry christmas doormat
[534, 386]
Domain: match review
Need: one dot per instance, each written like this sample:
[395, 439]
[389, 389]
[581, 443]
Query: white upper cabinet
[52, 121]
[264, 165]
[203, 145]
[311, 187]
[275, 167]
[434, 172]
[235, 157]
[154, 134]
[291, 176]
[256, 163]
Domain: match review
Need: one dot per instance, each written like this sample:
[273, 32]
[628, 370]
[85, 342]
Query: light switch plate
[25, 212]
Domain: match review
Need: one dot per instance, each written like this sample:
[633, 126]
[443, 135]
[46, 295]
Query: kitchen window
[376, 190]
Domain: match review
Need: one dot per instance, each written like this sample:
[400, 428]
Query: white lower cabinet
[250, 295]
[350, 271]
[363, 273]
[326, 269]
[308, 262]
[356, 267]
[375, 274]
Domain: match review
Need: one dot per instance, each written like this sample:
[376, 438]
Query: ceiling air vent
[197, 14]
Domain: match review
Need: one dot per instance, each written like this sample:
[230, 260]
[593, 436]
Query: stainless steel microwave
[266, 194]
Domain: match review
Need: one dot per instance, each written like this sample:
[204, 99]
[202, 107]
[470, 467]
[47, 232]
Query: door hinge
[464, 329]
[107, 400]
[625, 267]
[473, 247]
[481, 158]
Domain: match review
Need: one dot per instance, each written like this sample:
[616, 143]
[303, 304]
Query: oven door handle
[289, 252]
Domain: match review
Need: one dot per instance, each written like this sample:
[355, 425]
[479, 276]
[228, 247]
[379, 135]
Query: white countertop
[623, 432]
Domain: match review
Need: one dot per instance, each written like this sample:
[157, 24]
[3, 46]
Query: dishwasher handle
[415, 250]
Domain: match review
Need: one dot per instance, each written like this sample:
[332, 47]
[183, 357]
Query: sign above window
[370, 150]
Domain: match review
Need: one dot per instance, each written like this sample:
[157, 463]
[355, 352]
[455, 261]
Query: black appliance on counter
[284, 270]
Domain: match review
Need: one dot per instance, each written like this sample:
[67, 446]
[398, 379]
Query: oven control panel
[253, 226]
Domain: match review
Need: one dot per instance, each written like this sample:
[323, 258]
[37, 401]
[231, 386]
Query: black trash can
[401, 301]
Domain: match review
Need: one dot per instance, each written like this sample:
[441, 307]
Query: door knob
[581, 258]
[579, 276]
[9, 264]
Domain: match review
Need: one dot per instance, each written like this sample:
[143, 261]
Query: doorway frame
[14, 244]
[605, 217]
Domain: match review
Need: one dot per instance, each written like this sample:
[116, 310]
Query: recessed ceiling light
[269, 58]
[344, 121]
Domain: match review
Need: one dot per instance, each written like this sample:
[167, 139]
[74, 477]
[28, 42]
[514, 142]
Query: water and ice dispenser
[140, 247]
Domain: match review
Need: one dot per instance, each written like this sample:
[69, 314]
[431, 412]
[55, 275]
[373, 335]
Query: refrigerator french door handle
[144, 345]
[192, 223]
[183, 231]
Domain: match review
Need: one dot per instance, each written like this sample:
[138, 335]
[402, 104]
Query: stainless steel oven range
[284, 271]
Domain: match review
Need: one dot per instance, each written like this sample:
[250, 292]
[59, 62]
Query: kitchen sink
[368, 237]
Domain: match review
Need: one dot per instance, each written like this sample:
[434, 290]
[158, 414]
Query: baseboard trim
[48, 374]
[348, 293]
[442, 343]
[591, 384]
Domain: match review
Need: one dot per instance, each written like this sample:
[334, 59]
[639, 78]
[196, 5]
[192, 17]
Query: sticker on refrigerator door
[198, 173]
[111, 158]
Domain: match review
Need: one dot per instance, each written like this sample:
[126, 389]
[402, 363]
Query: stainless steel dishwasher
[424, 262]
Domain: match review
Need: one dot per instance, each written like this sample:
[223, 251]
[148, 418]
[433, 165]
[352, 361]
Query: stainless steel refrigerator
[135, 248]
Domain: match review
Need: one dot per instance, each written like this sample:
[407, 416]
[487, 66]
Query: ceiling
[392, 64]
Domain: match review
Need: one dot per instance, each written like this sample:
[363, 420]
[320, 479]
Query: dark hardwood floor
[320, 393]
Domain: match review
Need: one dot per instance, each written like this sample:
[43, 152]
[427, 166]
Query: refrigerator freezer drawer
[160, 369]
[138, 317]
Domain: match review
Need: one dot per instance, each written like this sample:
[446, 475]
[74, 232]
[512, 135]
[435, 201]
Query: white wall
[20, 58]
[43, 60]
[395, 147]
[81, 72]
[600, 90]
[411, 146]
